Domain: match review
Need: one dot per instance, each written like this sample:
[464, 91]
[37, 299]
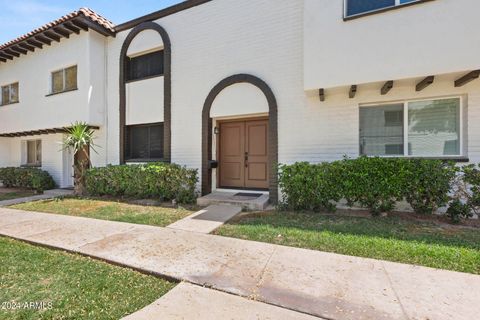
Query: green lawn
[108, 210]
[16, 194]
[391, 238]
[77, 287]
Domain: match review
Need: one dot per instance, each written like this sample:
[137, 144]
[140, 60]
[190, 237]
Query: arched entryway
[167, 86]
[207, 131]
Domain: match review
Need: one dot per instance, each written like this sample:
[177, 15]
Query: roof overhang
[39, 132]
[73, 23]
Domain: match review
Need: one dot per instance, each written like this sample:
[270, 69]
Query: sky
[18, 17]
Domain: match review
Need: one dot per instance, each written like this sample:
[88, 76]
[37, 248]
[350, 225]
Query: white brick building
[232, 87]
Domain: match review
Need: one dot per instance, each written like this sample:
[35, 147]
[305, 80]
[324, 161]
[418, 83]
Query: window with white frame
[358, 7]
[9, 94]
[424, 128]
[64, 80]
[32, 153]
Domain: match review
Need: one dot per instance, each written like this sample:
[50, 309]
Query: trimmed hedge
[371, 182]
[156, 180]
[29, 178]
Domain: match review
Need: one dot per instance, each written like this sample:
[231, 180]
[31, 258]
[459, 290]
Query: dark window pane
[139, 145]
[57, 81]
[144, 142]
[71, 78]
[148, 65]
[361, 6]
[156, 142]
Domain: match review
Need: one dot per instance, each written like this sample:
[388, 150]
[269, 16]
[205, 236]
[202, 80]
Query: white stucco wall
[144, 101]
[52, 154]
[238, 100]
[36, 110]
[223, 38]
[430, 38]
[145, 41]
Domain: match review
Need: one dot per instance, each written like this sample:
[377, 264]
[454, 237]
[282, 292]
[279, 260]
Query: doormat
[249, 195]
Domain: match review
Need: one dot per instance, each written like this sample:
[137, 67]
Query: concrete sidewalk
[323, 284]
[49, 194]
[188, 301]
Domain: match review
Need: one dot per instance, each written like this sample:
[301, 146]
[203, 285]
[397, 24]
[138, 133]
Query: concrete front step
[250, 201]
[208, 219]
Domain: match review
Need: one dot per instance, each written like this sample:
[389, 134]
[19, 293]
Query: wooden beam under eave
[71, 27]
[424, 83]
[467, 78]
[3, 59]
[353, 91]
[52, 36]
[12, 53]
[321, 94]
[80, 25]
[43, 40]
[35, 43]
[6, 56]
[386, 87]
[18, 50]
[26, 46]
[61, 31]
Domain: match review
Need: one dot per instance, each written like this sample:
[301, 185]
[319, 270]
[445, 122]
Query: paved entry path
[49, 194]
[328, 285]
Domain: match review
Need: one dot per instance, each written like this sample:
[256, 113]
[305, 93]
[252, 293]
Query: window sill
[145, 78]
[369, 13]
[8, 104]
[31, 166]
[144, 160]
[60, 92]
[444, 158]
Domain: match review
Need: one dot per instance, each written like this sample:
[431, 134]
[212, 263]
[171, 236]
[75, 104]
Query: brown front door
[244, 154]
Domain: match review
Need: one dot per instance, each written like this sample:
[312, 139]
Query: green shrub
[471, 176]
[373, 183]
[29, 178]
[428, 183]
[156, 180]
[310, 186]
[458, 210]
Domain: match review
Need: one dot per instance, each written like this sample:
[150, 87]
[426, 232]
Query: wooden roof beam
[71, 27]
[3, 59]
[353, 91]
[467, 78]
[386, 87]
[12, 53]
[51, 35]
[424, 83]
[80, 24]
[44, 40]
[35, 43]
[321, 94]
[26, 46]
[5, 56]
[18, 49]
[62, 31]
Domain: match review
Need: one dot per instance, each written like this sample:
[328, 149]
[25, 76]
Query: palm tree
[79, 139]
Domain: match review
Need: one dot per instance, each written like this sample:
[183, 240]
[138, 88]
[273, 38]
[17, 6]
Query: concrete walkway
[323, 284]
[188, 301]
[49, 194]
[208, 219]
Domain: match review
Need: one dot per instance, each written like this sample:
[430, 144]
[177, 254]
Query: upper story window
[145, 66]
[9, 94]
[358, 7]
[64, 80]
[425, 128]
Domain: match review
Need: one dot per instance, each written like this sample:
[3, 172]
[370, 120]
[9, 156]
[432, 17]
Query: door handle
[246, 159]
